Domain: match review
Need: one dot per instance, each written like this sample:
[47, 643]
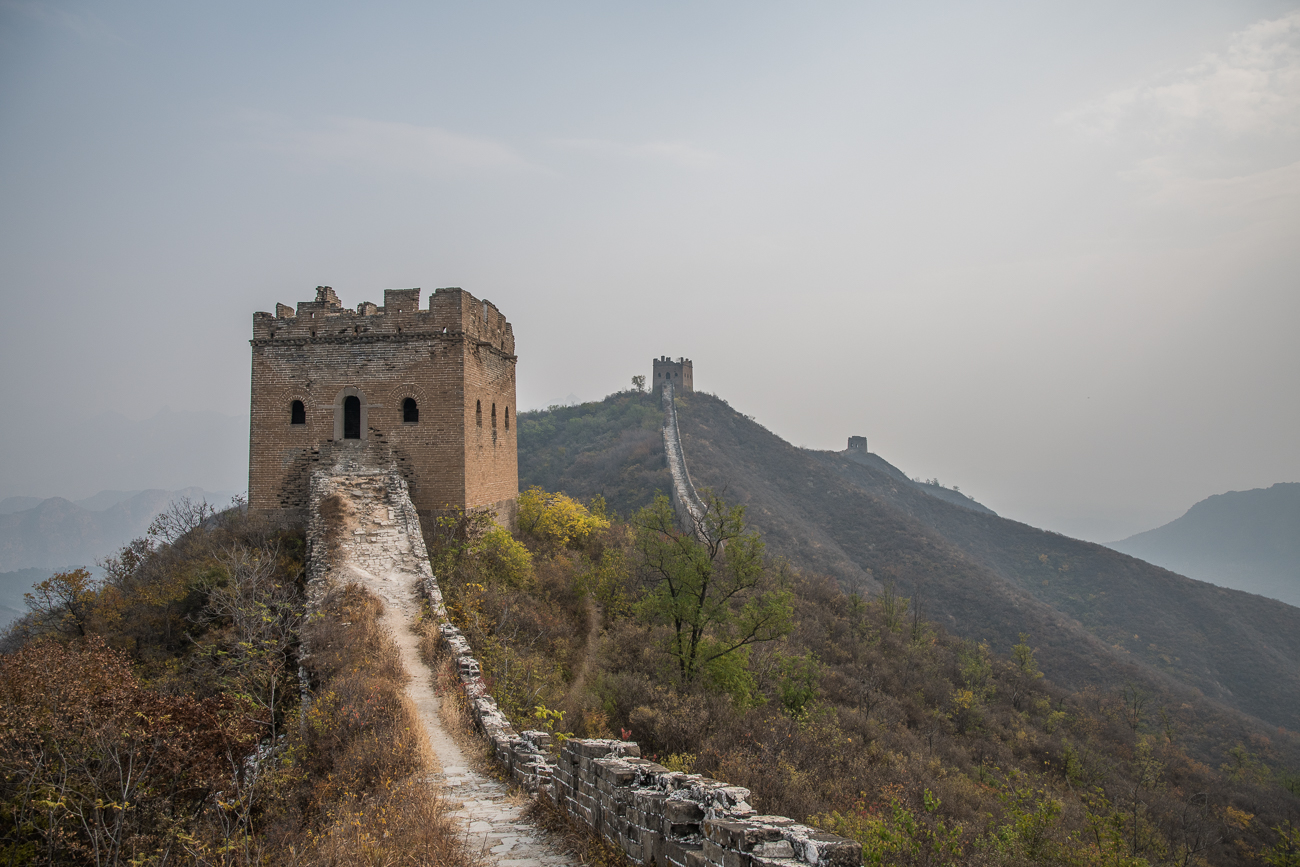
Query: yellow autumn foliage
[557, 520]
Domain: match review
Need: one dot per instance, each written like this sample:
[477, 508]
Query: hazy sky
[1047, 252]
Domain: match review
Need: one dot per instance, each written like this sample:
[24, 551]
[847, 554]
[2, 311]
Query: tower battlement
[428, 391]
[679, 372]
[451, 311]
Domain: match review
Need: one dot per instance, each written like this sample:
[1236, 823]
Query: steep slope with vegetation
[611, 448]
[1096, 613]
[158, 717]
[859, 715]
[1099, 618]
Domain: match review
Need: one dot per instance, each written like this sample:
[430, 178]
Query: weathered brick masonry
[430, 392]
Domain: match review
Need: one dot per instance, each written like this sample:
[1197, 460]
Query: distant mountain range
[56, 533]
[12, 587]
[76, 456]
[1246, 540]
[39, 537]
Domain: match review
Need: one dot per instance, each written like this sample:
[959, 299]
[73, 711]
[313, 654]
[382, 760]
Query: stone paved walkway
[379, 553]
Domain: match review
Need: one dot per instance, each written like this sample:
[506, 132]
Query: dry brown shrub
[453, 710]
[366, 756]
[351, 637]
[404, 824]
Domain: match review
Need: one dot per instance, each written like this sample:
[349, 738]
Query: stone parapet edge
[690, 507]
[652, 814]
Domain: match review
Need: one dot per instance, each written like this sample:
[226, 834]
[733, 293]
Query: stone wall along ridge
[652, 814]
[687, 502]
[363, 529]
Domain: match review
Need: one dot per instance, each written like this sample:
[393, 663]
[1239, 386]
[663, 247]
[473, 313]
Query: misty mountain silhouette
[1246, 540]
[57, 533]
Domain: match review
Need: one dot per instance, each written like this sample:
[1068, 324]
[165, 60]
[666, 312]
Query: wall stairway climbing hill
[686, 500]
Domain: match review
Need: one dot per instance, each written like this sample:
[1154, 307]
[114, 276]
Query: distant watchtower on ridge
[678, 372]
[430, 392]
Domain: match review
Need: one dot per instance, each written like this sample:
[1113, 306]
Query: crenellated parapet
[679, 373]
[452, 314]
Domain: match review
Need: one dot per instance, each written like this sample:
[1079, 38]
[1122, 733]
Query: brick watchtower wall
[455, 361]
[678, 372]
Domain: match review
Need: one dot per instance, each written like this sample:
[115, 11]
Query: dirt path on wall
[490, 815]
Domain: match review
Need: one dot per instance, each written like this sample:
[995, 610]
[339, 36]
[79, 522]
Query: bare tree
[180, 517]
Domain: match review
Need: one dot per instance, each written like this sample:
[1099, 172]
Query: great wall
[687, 502]
[363, 424]
[363, 528]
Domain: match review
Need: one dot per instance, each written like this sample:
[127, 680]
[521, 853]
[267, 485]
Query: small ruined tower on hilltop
[430, 392]
[678, 372]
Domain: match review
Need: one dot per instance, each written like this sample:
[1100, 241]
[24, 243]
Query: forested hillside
[858, 715]
[1099, 618]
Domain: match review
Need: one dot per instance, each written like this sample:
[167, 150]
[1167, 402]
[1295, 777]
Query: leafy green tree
[709, 584]
[1286, 852]
[1024, 671]
[471, 548]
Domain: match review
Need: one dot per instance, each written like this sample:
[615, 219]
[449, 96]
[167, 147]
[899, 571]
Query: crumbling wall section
[362, 516]
[649, 812]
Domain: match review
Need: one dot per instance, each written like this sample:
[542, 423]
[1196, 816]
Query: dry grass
[589, 847]
[453, 708]
[405, 824]
[366, 757]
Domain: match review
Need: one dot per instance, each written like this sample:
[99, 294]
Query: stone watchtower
[677, 372]
[430, 392]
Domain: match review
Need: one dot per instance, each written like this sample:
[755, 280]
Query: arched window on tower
[478, 413]
[297, 413]
[410, 411]
[352, 417]
[494, 416]
[507, 418]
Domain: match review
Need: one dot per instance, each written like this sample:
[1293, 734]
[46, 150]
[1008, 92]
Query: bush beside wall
[644, 809]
